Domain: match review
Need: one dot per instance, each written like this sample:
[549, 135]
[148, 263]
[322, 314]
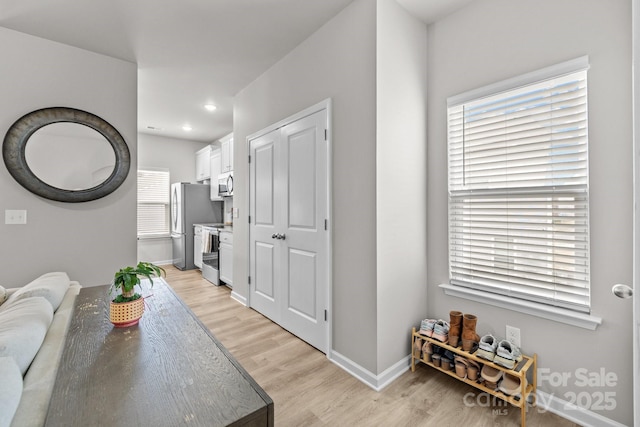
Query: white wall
[371, 61]
[491, 40]
[179, 157]
[91, 240]
[401, 178]
[337, 62]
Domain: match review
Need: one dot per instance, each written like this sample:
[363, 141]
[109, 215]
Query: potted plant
[127, 307]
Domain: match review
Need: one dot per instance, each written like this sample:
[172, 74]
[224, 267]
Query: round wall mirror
[66, 155]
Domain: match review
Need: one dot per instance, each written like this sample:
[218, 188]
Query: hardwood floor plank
[309, 390]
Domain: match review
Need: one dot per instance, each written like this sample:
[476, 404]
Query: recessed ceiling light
[186, 128]
[210, 107]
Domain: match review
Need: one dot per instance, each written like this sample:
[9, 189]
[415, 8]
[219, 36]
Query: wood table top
[168, 370]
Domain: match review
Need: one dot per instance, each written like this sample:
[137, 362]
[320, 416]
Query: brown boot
[469, 336]
[455, 327]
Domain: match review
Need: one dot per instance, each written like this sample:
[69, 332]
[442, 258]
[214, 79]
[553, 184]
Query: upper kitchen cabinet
[227, 153]
[203, 164]
[216, 169]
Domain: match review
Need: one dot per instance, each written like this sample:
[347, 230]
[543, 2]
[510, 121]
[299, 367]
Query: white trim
[564, 409]
[635, 55]
[236, 296]
[556, 70]
[160, 263]
[376, 382]
[328, 105]
[569, 317]
[322, 105]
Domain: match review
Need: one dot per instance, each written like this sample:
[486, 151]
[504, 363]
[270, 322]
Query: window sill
[569, 317]
[154, 236]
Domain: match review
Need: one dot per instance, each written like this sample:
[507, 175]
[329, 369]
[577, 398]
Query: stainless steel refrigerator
[190, 204]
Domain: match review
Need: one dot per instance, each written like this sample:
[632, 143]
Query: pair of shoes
[504, 352]
[510, 384]
[441, 331]
[487, 347]
[507, 354]
[466, 368]
[426, 327]
[491, 376]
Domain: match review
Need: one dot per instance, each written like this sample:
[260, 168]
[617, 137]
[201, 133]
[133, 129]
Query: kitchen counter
[211, 225]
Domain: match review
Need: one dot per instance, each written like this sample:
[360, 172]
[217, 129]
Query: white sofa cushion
[40, 378]
[10, 389]
[23, 326]
[51, 286]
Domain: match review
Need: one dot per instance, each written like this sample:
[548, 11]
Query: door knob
[275, 236]
[622, 291]
[281, 236]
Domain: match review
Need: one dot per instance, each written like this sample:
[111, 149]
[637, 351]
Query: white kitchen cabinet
[216, 168]
[197, 246]
[203, 164]
[226, 257]
[227, 153]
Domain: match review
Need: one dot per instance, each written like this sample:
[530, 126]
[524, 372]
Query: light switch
[15, 216]
[236, 212]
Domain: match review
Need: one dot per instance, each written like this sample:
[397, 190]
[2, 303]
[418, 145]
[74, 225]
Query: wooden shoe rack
[529, 364]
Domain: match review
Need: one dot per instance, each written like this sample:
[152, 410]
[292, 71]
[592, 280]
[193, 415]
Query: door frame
[635, 69]
[322, 105]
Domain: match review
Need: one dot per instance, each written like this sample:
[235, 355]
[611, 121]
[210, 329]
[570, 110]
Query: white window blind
[153, 203]
[518, 192]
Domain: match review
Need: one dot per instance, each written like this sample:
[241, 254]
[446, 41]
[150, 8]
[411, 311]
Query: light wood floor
[309, 390]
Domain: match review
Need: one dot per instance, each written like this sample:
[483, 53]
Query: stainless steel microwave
[225, 184]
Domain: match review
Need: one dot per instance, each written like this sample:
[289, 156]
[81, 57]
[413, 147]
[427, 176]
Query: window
[518, 188]
[153, 203]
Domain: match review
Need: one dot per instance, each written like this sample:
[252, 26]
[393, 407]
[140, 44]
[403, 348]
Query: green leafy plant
[127, 278]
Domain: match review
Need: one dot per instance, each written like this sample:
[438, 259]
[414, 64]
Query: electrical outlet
[513, 335]
[15, 216]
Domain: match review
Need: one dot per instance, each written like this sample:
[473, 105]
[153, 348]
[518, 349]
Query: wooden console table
[167, 371]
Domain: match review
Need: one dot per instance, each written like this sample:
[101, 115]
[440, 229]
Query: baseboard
[236, 296]
[564, 409]
[376, 382]
[165, 262]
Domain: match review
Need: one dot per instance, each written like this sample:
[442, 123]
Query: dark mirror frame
[15, 141]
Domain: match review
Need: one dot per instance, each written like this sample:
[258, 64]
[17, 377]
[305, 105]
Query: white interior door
[305, 245]
[263, 204]
[289, 242]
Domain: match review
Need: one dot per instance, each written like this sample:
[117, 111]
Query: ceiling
[189, 52]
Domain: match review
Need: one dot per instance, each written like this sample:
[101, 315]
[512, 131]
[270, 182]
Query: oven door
[211, 260]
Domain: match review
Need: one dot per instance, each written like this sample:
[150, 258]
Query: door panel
[302, 179]
[264, 271]
[302, 284]
[264, 184]
[289, 245]
[176, 209]
[305, 288]
[178, 247]
[262, 194]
